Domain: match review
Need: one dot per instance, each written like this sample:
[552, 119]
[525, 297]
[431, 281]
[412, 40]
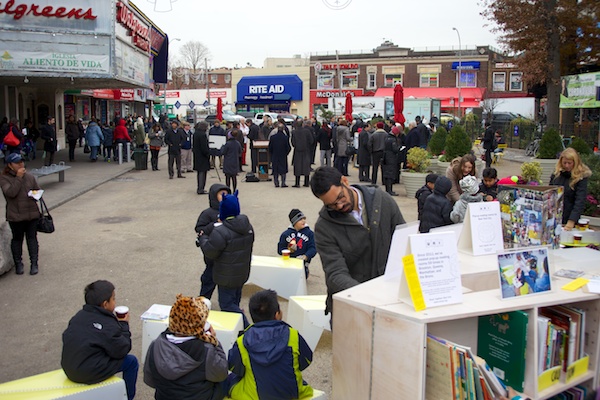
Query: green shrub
[472, 125]
[592, 201]
[531, 171]
[458, 143]
[550, 145]
[581, 146]
[438, 141]
[527, 129]
[418, 159]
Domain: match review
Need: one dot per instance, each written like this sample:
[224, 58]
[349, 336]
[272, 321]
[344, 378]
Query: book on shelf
[502, 342]
[454, 372]
[566, 330]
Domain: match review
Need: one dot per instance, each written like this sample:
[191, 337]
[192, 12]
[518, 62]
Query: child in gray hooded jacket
[470, 188]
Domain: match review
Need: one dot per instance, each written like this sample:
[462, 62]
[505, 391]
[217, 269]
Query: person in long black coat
[279, 148]
[390, 167]
[364, 155]
[201, 153]
[302, 140]
[231, 153]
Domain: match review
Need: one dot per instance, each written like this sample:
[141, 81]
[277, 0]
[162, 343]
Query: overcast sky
[240, 31]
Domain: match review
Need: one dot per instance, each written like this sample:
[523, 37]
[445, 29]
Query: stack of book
[561, 336]
[453, 372]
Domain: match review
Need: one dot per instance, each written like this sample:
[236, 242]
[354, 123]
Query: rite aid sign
[277, 88]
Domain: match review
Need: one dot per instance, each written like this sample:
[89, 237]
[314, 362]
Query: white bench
[53, 169]
[56, 385]
[307, 315]
[227, 325]
[286, 277]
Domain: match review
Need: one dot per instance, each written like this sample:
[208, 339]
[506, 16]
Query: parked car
[258, 118]
[364, 116]
[288, 118]
[446, 117]
[500, 120]
[228, 116]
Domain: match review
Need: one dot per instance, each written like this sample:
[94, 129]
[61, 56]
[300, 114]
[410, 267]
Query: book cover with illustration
[502, 342]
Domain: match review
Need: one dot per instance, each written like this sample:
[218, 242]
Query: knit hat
[296, 215]
[13, 158]
[380, 125]
[188, 317]
[469, 184]
[396, 130]
[229, 207]
[430, 178]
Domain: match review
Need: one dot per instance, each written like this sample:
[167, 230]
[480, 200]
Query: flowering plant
[592, 200]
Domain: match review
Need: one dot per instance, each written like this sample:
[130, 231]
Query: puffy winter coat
[437, 208]
[19, 206]
[230, 246]
[574, 198]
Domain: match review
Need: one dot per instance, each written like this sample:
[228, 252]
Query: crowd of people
[352, 235]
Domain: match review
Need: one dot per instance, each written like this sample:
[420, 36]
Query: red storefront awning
[449, 96]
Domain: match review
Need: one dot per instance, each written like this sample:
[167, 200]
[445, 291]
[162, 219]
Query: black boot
[33, 247]
[297, 182]
[306, 179]
[17, 251]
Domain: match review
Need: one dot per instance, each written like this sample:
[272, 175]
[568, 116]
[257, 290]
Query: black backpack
[251, 177]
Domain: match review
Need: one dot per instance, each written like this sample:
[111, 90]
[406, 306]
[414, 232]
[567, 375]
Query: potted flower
[532, 172]
[551, 145]
[417, 160]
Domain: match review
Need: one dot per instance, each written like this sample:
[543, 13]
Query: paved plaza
[136, 229]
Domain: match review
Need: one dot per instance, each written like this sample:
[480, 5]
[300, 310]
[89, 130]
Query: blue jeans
[130, 370]
[207, 285]
[229, 300]
[94, 152]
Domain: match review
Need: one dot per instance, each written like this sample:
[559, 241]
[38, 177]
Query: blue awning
[466, 65]
[274, 89]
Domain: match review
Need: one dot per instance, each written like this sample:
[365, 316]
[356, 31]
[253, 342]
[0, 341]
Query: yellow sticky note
[576, 284]
[414, 286]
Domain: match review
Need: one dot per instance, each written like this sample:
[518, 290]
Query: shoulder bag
[45, 223]
[11, 140]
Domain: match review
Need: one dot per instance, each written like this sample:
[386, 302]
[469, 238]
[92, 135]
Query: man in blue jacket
[267, 360]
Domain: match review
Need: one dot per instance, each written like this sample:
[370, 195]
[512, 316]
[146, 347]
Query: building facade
[484, 73]
[85, 57]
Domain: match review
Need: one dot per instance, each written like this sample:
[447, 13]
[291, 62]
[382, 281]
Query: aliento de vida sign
[20, 10]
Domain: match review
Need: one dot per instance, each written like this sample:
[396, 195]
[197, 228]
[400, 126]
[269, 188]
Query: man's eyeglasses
[338, 200]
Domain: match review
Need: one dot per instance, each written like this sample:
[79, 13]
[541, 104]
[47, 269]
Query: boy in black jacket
[437, 209]
[489, 186]
[205, 223]
[96, 343]
[424, 192]
[230, 244]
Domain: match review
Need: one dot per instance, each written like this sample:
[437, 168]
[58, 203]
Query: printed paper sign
[482, 233]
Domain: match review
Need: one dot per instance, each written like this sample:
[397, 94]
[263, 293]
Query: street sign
[191, 104]
[206, 103]
[177, 104]
[516, 130]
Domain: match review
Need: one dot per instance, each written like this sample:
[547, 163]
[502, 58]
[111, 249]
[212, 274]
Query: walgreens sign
[19, 9]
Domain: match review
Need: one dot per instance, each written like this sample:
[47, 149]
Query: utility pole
[207, 80]
[337, 69]
[459, 68]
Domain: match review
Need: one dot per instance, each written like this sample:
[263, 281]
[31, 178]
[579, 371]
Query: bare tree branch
[193, 54]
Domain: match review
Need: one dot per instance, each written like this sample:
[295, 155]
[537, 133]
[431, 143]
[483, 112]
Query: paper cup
[583, 224]
[577, 238]
[285, 254]
[121, 311]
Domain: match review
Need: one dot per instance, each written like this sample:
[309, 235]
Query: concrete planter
[548, 166]
[442, 166]
[412, 182]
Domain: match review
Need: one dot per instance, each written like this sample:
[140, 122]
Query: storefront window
[390, 80]
[429, 80]
[325, 81]
[516, 83]
[227, 78]
[468, 79]
[350, 79]
[499, 84]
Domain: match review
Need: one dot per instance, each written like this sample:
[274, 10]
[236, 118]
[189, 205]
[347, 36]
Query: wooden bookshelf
[379, 343]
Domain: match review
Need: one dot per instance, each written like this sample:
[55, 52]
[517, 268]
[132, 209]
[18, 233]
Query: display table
[56, 385]
[286, 277]
[307, 315]
[379, 343]
[227, 326]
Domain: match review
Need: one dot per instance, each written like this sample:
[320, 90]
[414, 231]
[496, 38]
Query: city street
[137, 231]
